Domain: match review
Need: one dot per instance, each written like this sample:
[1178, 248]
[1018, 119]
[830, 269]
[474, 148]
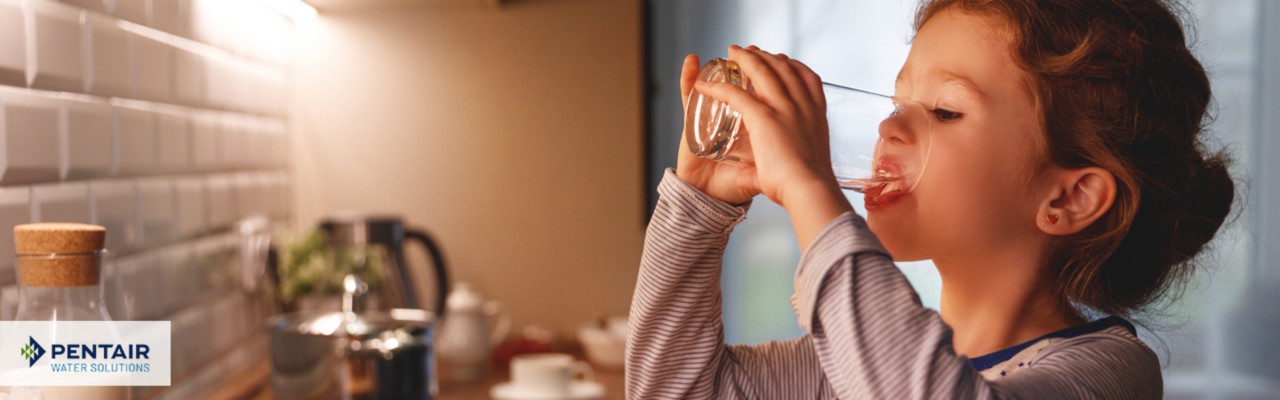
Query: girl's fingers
[789, 77]
[738, 99]
[688, 74]
[811, 81]
[764, 79]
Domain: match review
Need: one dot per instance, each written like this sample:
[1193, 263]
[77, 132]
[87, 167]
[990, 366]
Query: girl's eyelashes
[946, 115]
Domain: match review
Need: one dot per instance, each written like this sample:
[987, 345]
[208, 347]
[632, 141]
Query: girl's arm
[676, 344]
[875, 340]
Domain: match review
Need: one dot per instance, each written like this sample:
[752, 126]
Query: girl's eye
[946, 115]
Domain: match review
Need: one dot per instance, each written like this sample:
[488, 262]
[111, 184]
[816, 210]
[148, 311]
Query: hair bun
[1208, 198]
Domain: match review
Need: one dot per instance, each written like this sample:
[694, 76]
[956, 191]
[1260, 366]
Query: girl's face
[974, 195]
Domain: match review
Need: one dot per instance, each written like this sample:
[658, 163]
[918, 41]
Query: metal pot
[354, 354]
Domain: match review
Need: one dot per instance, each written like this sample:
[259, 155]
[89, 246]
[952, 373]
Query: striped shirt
[868, 335]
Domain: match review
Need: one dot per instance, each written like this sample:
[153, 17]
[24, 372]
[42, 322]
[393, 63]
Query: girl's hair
[1116, 86]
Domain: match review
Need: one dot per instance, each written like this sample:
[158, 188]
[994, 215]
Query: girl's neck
[994, 304]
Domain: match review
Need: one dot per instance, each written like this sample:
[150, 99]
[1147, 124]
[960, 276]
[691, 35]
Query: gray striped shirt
[869, 336]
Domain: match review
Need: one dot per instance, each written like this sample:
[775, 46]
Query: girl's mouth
[892, 186]
[884, 194]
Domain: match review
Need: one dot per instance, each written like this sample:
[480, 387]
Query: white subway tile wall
[188, 77]
[191, 216]
[132, 10]
[135, 132]
[220, 200]
[177, 277]
[86, 130]
[60, 202]
[173, 140]
[107, 66]
[57, 45]
[205, 141]
[231, 131]
[158, 211]
[115, 207]
[96, 5]
[166, 122]
[30, 129]
[153, 72]
[13, 53]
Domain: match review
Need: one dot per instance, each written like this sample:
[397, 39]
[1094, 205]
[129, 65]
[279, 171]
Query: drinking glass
[879, 143]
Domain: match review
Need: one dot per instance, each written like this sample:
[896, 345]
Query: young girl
[1066, 189]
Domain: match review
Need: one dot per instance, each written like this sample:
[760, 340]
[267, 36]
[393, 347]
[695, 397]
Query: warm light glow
[296, 10]
[202, 49]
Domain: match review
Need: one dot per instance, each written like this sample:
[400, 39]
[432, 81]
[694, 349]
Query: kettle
[389, 232]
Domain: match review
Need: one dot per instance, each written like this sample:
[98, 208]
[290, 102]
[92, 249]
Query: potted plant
[311, 271]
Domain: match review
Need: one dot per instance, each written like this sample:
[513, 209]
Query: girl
[1066, 189]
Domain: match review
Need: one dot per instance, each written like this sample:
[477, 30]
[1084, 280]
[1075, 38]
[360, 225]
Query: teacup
[547, 374]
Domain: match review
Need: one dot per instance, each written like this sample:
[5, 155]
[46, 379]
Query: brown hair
[1117, 87]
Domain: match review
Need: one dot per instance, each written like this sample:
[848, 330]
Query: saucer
[578, 390]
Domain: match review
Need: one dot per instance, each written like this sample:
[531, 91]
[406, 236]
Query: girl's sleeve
[676, 349]
[875, 340]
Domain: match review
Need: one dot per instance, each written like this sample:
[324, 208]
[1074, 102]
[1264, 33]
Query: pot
[353, 354]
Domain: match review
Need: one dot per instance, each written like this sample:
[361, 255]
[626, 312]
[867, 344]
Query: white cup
[547, 375]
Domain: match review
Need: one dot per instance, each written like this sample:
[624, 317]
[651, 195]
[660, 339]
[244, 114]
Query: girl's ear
[1075, 199]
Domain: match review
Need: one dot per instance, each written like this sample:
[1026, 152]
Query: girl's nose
[905, 125]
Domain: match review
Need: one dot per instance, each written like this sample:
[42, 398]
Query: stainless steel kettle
[389, 232]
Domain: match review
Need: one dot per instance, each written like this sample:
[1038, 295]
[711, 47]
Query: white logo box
[85, 353]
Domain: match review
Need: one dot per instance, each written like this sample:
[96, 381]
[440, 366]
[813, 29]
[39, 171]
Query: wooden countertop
[255, 382]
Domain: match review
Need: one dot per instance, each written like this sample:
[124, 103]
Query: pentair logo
[32, 351]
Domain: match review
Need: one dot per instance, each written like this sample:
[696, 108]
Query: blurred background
[524, 138]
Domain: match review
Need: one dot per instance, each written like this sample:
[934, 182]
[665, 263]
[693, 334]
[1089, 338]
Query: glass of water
[879, 144]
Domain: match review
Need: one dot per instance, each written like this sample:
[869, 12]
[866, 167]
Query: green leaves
[309, 266]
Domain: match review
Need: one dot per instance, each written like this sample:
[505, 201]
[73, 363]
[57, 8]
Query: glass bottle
[59, 270]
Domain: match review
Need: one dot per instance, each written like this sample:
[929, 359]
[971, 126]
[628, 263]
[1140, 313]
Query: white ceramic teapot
[466, 338]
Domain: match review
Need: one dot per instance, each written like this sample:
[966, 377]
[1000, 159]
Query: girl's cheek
[967, 186]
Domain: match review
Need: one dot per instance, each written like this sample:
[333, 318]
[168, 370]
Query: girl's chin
[894, 234]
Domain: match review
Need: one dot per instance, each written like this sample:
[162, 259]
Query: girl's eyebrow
[966, 85]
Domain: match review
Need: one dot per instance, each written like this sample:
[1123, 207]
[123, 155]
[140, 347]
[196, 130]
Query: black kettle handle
[437, 260]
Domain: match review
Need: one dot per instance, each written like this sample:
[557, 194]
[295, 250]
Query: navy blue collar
[990, 360]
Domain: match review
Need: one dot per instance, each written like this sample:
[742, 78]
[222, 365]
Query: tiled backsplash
[164, 121]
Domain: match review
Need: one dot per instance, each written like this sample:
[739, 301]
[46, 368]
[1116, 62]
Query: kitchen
[182, 120]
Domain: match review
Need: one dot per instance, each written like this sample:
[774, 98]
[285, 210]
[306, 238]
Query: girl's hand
[719, 180]
[786, 119]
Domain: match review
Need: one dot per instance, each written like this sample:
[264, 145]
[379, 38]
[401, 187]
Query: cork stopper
[59, 254]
